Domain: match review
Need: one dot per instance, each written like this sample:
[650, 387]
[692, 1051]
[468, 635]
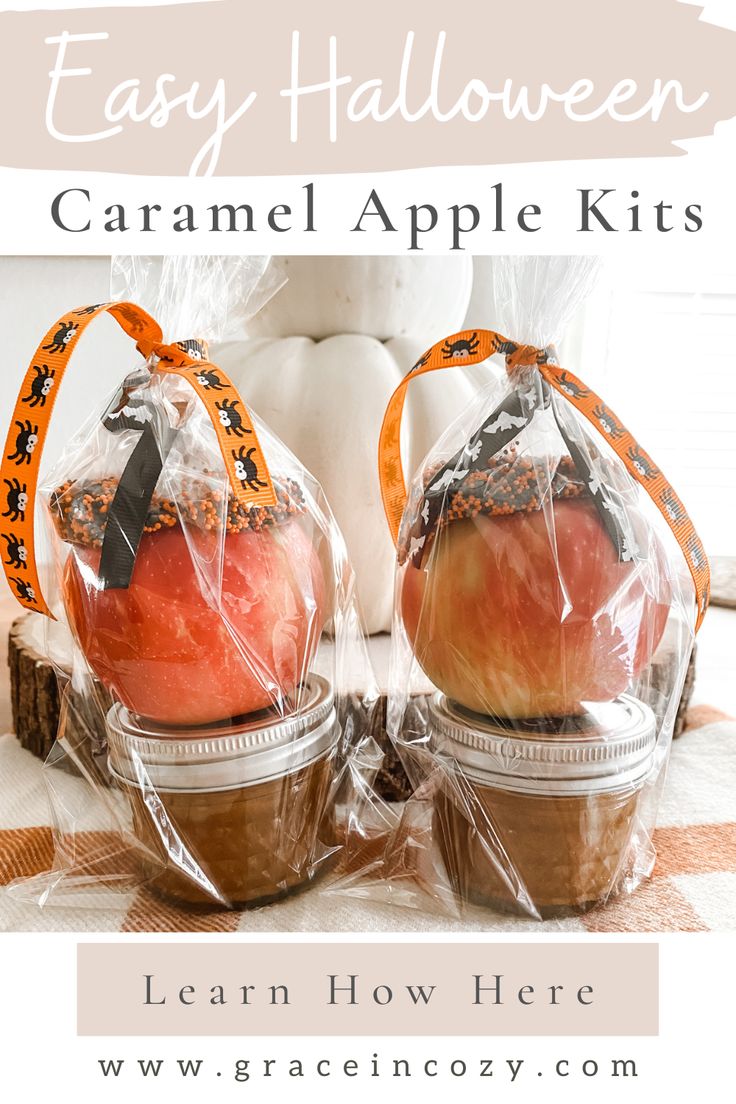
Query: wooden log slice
[40, 662]
[34, 688]
[392, 782]
[723, 581]
[687, 693]
[664, 670]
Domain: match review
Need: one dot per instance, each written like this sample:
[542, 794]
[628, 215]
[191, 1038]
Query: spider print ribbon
[19, 469]
[245, 464]
[472, 347]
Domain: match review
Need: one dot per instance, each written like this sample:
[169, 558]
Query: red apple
[511, 619]
[167, 654]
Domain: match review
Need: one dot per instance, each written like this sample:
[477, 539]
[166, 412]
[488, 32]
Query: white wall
[659, 345]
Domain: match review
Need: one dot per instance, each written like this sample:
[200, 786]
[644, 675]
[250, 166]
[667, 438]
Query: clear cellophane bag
[216, 743]
[548, 589]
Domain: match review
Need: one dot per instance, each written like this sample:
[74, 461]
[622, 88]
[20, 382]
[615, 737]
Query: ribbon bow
[524, 356]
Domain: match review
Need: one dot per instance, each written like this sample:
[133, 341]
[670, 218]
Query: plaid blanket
[693, 887]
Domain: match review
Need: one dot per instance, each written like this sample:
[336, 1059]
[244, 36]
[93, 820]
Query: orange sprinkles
[509, 485]
[79, 512]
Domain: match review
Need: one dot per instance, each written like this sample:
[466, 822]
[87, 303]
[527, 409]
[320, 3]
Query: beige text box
[316, 989]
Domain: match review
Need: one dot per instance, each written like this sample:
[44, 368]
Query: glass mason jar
[238, 814]
[540, 817]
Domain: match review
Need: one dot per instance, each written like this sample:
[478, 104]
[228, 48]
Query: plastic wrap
[217, 714]
[548, 589]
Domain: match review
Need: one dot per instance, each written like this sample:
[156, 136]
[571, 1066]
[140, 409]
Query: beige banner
[345, 989]
[203, 88]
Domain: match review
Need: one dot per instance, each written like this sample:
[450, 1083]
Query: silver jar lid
[203, 759]
[609, 748]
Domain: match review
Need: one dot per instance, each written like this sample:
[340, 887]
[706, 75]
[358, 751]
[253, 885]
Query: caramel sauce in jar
[234, 815]
[540, 819]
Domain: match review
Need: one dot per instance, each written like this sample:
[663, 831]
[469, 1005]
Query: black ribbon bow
[126, 517]
[506, 422]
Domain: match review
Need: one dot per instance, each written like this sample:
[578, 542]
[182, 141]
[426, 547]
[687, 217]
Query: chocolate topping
[510, 485]
[80, 510]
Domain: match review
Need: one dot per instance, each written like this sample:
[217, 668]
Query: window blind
[660, 347]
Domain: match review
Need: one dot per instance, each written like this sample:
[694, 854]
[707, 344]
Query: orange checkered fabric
[693, 887]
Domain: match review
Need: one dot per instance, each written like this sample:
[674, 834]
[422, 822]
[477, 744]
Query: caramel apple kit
[543, 560]
[220, 711]
[209, 595]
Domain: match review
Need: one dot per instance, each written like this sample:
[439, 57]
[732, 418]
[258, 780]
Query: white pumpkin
[383, 297]
[326, 401]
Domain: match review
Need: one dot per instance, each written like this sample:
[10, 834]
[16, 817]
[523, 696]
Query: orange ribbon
[474, 346]
[245, 465]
